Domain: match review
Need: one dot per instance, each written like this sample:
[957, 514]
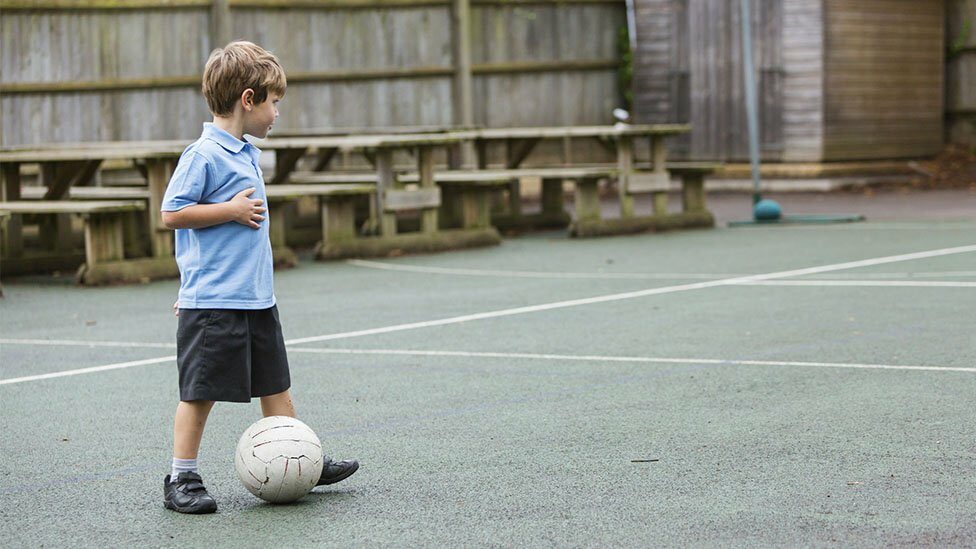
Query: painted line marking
[637, 359]
[548, 306]
[876, 283]
[79, 371]
[380, 265]
[640, 293]
[532, 274]
[82, 343]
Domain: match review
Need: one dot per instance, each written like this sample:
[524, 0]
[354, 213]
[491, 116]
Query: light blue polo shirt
[226, 266]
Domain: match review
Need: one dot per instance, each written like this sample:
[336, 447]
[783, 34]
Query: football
[279, 459]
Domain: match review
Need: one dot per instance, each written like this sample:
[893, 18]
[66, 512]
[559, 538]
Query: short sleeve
[187, 185]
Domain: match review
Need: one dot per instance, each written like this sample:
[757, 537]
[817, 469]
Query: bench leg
[13, 240]
[552, 196]
[103, 239]
[587, 200]
[475, 208]
[428, 220]
[278, 227]
[158, 173]
[425, 166]
[626, 205]
[56, 232]
[693, 193]
[450, 211]
[386, 180]
[338, 219]
[132, 225]
[660, 203]
[515, 198]
[625, 165]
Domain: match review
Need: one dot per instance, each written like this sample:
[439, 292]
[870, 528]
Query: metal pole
[751, 114]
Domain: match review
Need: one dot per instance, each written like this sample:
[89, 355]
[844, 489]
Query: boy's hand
[247, 211]
[176, 309]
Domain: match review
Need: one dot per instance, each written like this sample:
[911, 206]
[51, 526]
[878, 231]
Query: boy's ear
[247, 99]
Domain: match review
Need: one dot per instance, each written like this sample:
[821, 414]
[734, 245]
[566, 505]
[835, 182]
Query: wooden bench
[467, 196]
[468, 192]
[694, 214]
[104, 238]
[341, 237]
[134, 223]
[337, 202]
[393, 199]
[692, 175]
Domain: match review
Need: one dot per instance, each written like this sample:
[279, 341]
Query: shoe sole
[188, 511]
[342, 478]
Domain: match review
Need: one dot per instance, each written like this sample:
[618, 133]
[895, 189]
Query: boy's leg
[191, 418]
[280, 404]
[185, 493]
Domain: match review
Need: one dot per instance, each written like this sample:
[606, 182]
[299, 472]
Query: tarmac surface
[799, 386]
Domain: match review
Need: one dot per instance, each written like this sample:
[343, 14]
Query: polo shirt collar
[222, 138]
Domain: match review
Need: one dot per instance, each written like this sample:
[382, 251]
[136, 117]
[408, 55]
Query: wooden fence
[91, 70]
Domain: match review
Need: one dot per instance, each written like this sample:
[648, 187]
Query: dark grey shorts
[230, 355]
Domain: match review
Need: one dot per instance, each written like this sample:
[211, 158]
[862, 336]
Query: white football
[279, 459]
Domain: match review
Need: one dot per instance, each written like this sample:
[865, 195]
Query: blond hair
[236, 67]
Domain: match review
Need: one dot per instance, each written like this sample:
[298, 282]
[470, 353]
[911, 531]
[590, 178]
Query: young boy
[229, 341]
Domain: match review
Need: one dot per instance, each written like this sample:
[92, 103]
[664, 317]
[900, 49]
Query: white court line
[82, 343]
[568, 303]
[922, 225]
[641, 293]
[878, 283]
[532, 274]
[65, 373]
[639, 359]
[611, 276]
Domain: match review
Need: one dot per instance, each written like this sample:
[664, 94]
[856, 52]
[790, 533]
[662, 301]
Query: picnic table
[391, 195]
[66, 166]
[621, 138]
[464, 189]
[520, 142]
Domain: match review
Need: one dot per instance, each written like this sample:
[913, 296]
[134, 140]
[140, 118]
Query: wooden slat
[38, 5]
[164, 150]
[285, 161]
[551, 132]
[399, 200]
[375, 4]
[75, 207]
[90, 193]
[646, 182]
[278, 192]
[331, 177]
[310, 77]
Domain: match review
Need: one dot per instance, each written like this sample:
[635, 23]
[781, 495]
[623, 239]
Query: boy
[229, 341]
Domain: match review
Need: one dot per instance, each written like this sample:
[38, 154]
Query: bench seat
[104, 234]
[291, 192]
[90, 193]
[71, 206]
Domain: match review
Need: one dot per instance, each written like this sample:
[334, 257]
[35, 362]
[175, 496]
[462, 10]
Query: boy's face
[259, 119]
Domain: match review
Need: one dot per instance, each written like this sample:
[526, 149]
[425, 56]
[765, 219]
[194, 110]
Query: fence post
[463, 111]
[220, 24]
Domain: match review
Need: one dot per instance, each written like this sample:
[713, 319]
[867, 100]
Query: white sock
[183, 466]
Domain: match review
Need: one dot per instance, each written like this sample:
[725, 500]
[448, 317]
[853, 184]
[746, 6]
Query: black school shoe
[334, 471]
[187, 495]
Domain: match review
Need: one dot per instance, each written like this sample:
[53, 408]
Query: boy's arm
[240, 209]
